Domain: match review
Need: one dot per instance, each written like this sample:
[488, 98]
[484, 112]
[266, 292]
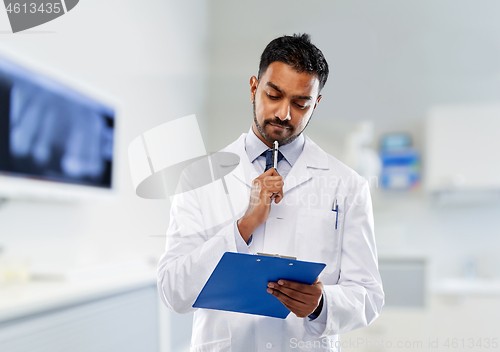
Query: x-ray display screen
[51, 132]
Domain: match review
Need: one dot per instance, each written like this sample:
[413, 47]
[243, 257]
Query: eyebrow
[275, 87]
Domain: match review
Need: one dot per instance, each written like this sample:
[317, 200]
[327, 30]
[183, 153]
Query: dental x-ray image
[51, 132]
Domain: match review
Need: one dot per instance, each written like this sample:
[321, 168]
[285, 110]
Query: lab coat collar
[312, 157]
[245, 171]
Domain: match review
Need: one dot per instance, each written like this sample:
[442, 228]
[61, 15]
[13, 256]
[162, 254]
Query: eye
[300, 106]
[273, 97]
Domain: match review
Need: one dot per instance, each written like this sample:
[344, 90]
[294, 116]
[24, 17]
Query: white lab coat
[302, 225]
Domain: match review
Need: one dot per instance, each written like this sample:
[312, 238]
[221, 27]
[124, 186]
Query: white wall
[389, 60]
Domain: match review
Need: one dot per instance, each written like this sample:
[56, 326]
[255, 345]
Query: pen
[335, 209]
[275, 155]
[275, 162]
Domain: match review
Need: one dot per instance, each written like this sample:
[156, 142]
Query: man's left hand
[301, 299]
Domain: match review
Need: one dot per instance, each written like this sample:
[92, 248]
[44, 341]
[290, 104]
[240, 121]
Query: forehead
[289, 80]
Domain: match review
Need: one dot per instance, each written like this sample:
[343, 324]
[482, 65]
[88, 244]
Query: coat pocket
[318, 237]
[214, 346]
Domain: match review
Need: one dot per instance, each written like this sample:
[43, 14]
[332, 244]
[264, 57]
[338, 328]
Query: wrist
[246, 228]
[318, 309]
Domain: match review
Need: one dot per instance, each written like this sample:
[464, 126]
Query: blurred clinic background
[412, 103]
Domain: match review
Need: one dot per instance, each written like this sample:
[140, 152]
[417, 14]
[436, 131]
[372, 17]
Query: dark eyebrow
[301, 97]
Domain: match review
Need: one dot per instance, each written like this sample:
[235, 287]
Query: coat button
[269, 345]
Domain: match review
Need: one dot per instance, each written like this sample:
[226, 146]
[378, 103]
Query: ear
[253, 88]
[317, 101]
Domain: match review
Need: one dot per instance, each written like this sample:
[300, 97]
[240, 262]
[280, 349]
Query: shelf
[458, 286]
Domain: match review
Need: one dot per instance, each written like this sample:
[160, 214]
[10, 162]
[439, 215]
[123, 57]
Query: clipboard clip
[276, 255]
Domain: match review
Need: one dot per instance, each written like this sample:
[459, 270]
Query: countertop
[22, 299]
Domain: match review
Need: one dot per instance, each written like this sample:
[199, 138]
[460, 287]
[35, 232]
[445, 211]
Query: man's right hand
[265, 188]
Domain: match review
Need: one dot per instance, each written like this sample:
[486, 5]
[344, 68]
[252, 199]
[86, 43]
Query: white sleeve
[357, 298]
[241, 245]
[192, 253]
[317, 326]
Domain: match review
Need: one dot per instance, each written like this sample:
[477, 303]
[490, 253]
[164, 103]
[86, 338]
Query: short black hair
[298, 52]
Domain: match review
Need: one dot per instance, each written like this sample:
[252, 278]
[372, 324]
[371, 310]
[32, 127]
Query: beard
[276, 121]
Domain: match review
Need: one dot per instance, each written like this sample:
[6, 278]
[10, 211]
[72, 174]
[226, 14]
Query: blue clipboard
[239, 283]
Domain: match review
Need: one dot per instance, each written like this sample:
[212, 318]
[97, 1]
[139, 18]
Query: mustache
[278, 122]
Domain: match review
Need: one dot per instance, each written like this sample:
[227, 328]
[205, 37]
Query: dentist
[312, 207]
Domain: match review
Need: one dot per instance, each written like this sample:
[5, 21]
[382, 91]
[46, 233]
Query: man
[312, 207]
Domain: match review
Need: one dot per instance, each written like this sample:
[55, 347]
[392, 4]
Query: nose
[284, 111]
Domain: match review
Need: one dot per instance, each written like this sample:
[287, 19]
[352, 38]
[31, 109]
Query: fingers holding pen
[273, 188]
[265, 188]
